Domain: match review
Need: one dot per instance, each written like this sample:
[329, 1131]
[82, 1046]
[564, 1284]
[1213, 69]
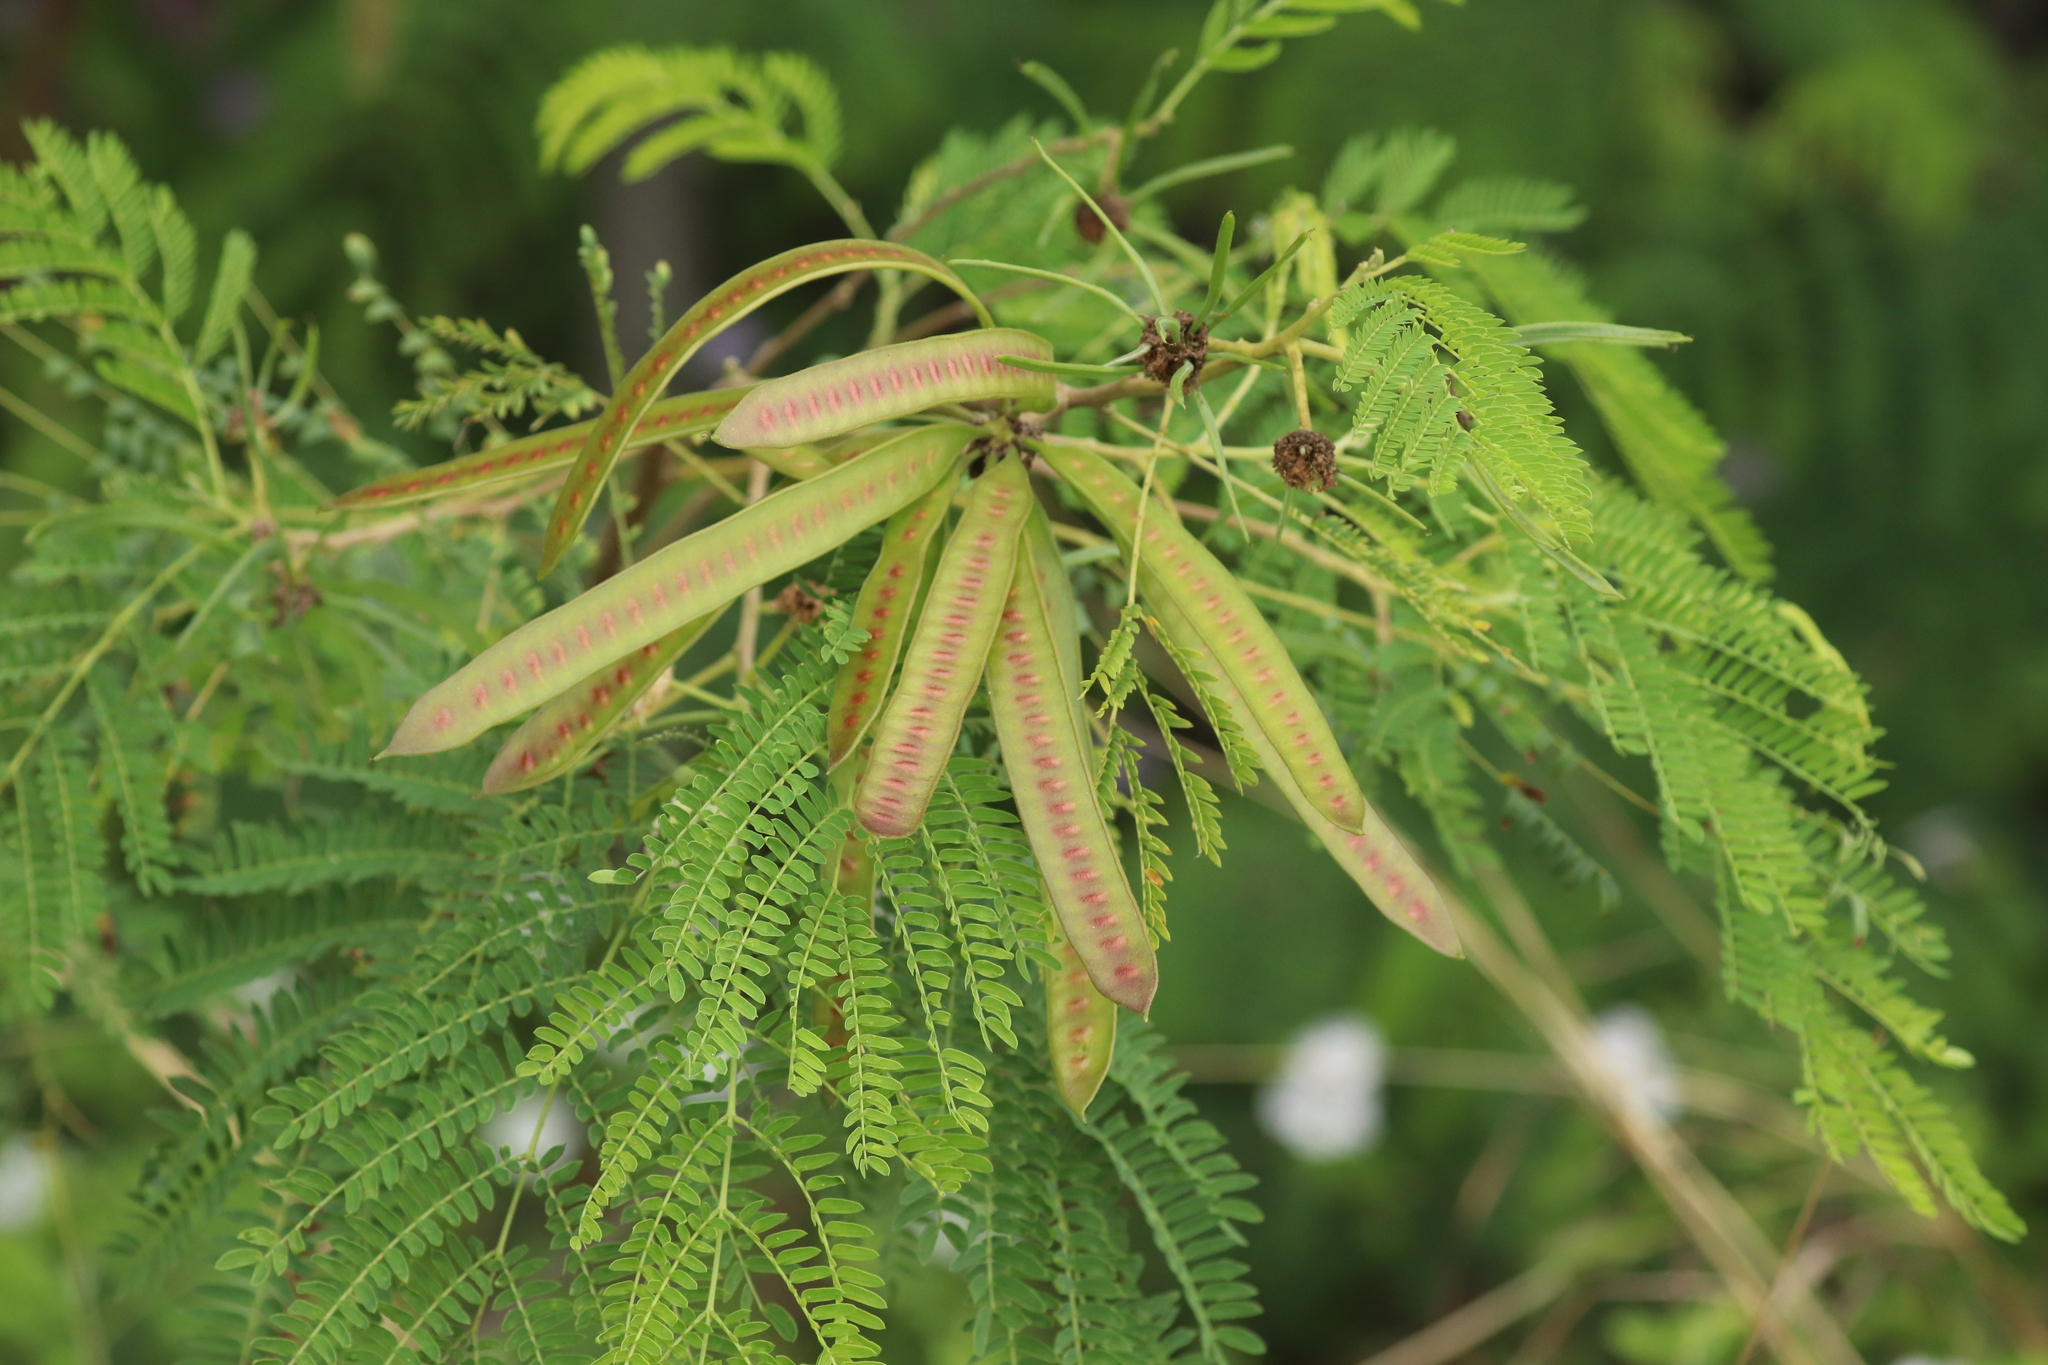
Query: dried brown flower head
[1306, 460]
[1162, 357]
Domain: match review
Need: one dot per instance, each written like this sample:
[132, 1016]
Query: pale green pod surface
[883, 610]
[1174, 567]
[886, 383]
[1062, 612]
[1052, 777]
[1080, 1028]
[518, 461]
[555, 738]
[677, 584]
[709, 316]
[797, 462]
[942, 663]
[1374, 856]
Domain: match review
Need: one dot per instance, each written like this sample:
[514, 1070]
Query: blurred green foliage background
[1844, 201]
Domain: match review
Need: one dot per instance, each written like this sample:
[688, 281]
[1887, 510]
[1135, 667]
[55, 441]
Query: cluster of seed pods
[1032, 689]
[678, 584]
[989, 602]
[721, 308]
[916, 732]
[1174, 567]
[1199, 610]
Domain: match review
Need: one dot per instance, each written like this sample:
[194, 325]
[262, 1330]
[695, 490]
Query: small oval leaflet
[886, 383]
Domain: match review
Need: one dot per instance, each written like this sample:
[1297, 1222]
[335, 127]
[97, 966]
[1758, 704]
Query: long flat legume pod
[1031, 691]
[677, 584]
[1062, 612]
[1080, 1028]
[1174, 567]
[886, 383]
[709, 316]
[533, 456]
[887, 598]
[1373, 856]
[555, 738]
[943, 660]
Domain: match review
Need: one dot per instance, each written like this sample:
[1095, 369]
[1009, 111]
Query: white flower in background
[1325, 1102]
[1629, 1041]
[514, 1128]
[259, 991]
[23, 1183]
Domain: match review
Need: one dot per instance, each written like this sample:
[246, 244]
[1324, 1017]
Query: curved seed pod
[712, 314]
[1080, 1028]
[883, 610]
[1031, 691]
[888, 382]
[1175, 568]
[555, 738]
[942, 666]
[677, 584]
[516, 461]
[797, 462]
[1374, 856]
[1062, 612]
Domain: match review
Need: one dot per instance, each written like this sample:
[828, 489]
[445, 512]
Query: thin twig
[1769, 1305]
[750, 605]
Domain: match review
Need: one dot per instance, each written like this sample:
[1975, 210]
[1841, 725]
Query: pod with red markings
[883, 610]
[1174, 568]
[943, 658]
[1374, 856]
[712, 314]
[886, 383]
[532, 456]
[1031, 691]
[678, 584]
[1080, 1027]
[555, 738]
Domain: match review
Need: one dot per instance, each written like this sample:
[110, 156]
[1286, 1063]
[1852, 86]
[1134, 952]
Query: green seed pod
[712, 314]
[517, 461]
[557, 736]
[677, 584]
[1031, 692]
[883, 610]
[886, 383]
[1373, 856]
[1175, 569]
[943, 661]
[1080, 1028]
